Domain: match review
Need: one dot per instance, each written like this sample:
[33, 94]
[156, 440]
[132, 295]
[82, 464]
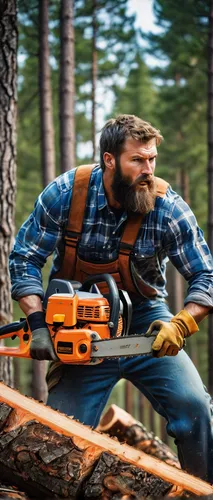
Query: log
[50, 455]
[117, 422]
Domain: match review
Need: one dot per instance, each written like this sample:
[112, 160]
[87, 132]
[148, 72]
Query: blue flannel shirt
[169, 231]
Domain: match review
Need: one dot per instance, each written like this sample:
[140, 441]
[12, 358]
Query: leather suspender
[75, 220]
[126, 245]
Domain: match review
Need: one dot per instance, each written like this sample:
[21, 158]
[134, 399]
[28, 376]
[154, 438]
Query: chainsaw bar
[117, 347]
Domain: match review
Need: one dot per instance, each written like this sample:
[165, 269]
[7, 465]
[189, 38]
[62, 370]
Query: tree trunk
[94, 76]
[67, 88]
[128, 396]
[48, 454]
[210, 179]
[45, 98]
[8, 103]
[175, 280]
[39, 389]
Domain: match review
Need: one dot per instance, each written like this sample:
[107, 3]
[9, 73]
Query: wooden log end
[112, 415]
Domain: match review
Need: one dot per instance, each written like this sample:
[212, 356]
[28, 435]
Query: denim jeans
[171, 384]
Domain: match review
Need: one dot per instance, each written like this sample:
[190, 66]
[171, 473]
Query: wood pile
[48, 455]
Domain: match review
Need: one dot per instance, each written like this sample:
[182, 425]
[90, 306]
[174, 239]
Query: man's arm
[197, 311]
[30, 304]
[39, 236]
[186, 248]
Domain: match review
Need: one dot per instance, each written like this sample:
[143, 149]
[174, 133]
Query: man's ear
[109, 160]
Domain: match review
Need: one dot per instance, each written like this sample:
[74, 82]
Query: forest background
[172, 94]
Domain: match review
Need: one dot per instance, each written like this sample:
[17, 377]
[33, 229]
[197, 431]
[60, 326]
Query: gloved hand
[170, 338]
[41, 346]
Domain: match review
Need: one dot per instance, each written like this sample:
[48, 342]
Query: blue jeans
[171, 384]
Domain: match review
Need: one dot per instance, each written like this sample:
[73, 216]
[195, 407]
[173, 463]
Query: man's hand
[170, 338]
[41, 346]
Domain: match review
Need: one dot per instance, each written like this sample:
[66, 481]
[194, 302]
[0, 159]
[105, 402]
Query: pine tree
[8, 107]
[105, 46]
[138, 95]
[45, 98]
[67, 87]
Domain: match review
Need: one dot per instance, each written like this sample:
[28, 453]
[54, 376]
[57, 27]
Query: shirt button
[104, 246]
[113, 232]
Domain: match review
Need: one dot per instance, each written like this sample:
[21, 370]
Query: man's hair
[117, 130]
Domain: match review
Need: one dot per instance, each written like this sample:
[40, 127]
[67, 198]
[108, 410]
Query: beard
[132, 196]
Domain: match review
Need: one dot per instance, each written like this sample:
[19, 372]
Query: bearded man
[122, 193]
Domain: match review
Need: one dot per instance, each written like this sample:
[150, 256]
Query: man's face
[133, 183]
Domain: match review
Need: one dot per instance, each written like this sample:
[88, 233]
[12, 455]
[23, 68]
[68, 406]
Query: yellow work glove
[170, 338]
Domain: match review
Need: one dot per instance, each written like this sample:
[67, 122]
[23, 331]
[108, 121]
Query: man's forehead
[145, 149]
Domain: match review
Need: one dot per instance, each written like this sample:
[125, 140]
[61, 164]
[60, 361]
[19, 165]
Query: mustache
[143, 178]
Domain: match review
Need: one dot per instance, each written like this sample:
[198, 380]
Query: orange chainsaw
[85, 326]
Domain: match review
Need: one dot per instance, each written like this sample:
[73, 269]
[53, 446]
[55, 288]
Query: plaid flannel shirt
[169, 231]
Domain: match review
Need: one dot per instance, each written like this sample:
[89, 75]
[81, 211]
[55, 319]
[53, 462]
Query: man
[124, 188]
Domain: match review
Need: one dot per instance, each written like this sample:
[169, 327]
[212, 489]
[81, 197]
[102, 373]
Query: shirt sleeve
[189, 253]
[35, 241]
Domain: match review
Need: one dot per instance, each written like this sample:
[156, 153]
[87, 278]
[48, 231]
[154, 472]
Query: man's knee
[193, 415]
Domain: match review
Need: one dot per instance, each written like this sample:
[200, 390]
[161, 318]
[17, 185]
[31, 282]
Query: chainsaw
[85, 326]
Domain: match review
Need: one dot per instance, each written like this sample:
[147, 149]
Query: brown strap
[126, 245]
[129, 238]
[79, 198]
[162, 187]
[75, 220]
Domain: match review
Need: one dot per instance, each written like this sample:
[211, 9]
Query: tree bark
[94, 74]
[117, 422]
[8, 104]
[67, 88]
[49, 455]
[58, 466]
[45, 98]
[39, 388]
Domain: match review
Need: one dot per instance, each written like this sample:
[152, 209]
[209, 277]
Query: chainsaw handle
[114, 298]
[13, 327]
[21, 331]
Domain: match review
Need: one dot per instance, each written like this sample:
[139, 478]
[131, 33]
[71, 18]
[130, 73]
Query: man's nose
[146, 167]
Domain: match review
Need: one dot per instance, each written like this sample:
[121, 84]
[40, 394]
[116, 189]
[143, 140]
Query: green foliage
[182, 96]
[115, 42]
[138, 96]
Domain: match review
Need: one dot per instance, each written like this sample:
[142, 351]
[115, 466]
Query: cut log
[49, 455]
[117, 422]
